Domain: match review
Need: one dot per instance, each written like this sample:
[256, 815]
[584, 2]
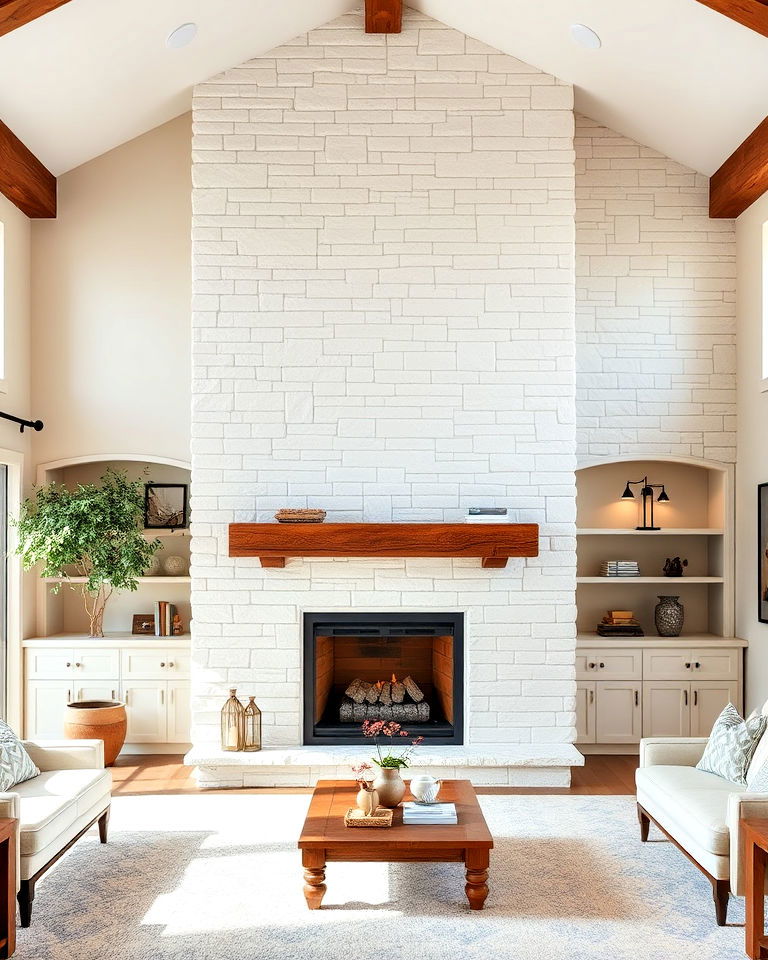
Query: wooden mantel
[274, 543]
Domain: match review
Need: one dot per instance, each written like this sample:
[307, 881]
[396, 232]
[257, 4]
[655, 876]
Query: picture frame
[762, 552]
[166, 506]
[143, 624]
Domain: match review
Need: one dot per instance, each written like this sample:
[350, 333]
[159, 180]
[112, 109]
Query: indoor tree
[93, 531]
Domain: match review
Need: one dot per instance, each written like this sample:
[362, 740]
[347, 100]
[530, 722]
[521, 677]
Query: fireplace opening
[407, 667]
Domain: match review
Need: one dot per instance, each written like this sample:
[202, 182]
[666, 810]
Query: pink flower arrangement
[374, 729]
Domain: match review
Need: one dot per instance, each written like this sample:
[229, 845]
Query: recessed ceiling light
[181, 36]
[585, 36]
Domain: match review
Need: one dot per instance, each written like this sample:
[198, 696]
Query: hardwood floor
[166, 774]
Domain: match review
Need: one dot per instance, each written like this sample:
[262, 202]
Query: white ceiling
[672, 74]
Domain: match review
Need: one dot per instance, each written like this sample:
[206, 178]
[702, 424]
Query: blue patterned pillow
[731, 745]
[15, 763]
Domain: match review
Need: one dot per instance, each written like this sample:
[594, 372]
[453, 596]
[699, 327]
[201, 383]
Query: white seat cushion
[690, 800]
[54, 800]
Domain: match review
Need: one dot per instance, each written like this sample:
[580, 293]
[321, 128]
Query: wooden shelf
[670, 532]
[163, 533]
[274, 543]
[651, 639]
[669, 581]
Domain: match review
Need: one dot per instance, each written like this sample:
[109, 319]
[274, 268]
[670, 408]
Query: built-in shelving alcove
[695, 524]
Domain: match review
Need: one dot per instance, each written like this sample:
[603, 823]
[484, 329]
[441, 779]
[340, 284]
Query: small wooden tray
[355, 817]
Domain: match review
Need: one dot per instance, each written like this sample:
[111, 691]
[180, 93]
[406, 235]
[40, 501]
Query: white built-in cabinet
[150, 675]
[653, 689]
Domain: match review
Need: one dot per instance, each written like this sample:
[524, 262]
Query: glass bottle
[252, 726]
[232, 723]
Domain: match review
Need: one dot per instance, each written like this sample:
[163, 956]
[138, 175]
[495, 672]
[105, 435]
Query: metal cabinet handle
[602, 665]
[69, 696]
[697, 665]
[170, 663]
[685, 697]
[590, 665]
[162, 697]
[687, 666]
[170, 695]
[162, 663]
[68, 664]
[78, 664]
[113, 695]
[695, 698]
[591, 696]
[637, 699]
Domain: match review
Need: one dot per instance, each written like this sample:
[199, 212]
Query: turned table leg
[314, 879]
[477, 863]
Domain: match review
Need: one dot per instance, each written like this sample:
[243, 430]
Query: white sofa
[56, 808]
[699, 812]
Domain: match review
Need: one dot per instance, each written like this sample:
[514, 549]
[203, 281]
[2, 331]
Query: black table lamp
[646, 492]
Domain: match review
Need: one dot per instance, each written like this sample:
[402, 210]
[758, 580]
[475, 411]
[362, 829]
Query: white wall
[752, 463]
[384, 326]
[655, 305]
[111, 304]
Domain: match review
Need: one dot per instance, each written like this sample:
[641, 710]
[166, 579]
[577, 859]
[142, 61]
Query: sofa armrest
[742, 805]
[66, 754]
[10, 807]
[671, 751]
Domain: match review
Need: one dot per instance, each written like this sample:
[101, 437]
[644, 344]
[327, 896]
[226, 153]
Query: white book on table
[429, 813]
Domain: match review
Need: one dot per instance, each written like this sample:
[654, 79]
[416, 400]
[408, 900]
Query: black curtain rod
[35, 424]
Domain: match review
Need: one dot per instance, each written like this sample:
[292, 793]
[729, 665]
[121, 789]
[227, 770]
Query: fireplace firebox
[407, 667]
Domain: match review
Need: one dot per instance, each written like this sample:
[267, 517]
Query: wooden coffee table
[755, 834]
[324, 839]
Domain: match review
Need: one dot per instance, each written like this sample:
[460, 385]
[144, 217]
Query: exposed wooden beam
[742, 178]
[15, 13]
[750, 13]
[383, 16]
[23, 179]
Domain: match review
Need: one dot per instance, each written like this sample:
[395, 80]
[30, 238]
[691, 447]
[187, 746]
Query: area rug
[204, 877]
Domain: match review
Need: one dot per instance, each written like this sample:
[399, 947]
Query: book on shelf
[164, 614]
[486, 515]
[432, 813]
[620, 614]
[619, 568]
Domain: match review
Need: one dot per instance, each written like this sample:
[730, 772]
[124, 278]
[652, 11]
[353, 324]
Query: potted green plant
[94, 531]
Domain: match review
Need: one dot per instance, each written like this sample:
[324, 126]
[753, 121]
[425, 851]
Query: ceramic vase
[97, 720]
[669, 616]
[390, 786]
[175, 566]
[367, 801]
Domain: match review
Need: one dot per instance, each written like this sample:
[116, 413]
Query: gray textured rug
[207, 877]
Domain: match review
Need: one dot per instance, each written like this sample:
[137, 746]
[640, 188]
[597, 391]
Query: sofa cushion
[691, 800]
[15, 763]
[731, 744]
[54, 800]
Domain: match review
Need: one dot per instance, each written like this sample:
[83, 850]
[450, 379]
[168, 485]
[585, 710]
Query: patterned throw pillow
[15, 763]
[731, 745]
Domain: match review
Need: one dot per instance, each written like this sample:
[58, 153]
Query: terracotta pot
[390, 786]
[97, 720]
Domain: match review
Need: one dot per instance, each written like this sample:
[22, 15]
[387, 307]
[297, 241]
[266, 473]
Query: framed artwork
[166, 506]
[762, 552]
[143, 624]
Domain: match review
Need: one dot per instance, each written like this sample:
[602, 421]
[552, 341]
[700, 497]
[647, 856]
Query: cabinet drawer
[716, 664]
[177, 665]
[613, 664]
[96, 664]
[687, 663]
[49, 664]
[156, 664]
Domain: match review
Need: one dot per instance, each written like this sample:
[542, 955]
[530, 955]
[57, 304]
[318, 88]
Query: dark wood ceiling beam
[742, 178]
[749, 13]
[23, 179]
[15, 13]
[383, 16]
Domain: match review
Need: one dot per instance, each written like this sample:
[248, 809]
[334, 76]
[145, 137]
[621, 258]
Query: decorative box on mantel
[274, 543]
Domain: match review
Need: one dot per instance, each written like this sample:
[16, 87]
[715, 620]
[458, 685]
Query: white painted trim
[14, 460]
[44, 468]
[588, 462]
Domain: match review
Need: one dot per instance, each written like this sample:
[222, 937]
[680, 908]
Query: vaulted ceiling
[673, 74]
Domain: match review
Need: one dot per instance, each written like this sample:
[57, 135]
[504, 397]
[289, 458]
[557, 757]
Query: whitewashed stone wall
[655, 305]
[384, 327]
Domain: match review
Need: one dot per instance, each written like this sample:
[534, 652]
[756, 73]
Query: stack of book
[619, 568]
[164, 614]
[429, 813]
[486, 515]
[619, 623]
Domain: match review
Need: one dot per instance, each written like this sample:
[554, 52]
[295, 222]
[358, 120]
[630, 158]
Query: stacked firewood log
[401, 700]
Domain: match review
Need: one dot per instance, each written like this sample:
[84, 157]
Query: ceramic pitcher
[425, 788]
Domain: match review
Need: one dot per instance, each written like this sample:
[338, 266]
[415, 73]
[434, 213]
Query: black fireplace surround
[413, 661]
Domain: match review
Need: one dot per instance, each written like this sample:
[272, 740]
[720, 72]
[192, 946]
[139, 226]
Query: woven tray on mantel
[355, 817]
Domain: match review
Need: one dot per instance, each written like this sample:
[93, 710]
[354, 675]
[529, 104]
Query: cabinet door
[672, 664]
[179, 711]
[145, 706]
[585, 711]
[96, 664]
[707, 700]
[97, 690]
[147, 664]
[720, 663]
[666, 709]
[46, 702]
[619, 713]
[49, 664]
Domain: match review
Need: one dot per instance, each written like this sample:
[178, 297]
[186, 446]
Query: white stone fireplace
[384, 327]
